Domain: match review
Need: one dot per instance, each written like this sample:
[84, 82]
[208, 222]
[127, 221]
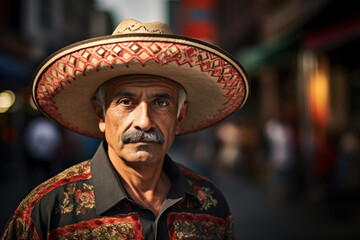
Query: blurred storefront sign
[198, 19]
[335, 35]
[272, 51]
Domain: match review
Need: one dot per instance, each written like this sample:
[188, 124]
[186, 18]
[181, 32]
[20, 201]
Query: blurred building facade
[299, 130]
[30, 30]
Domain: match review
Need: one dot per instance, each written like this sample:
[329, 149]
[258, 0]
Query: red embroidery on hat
[117, 227]
[63, 71]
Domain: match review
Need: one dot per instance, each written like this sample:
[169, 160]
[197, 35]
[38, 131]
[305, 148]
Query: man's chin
[144, 146]
[144, 153]
[141, 152]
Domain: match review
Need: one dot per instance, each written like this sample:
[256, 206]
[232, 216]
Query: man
[136, 89]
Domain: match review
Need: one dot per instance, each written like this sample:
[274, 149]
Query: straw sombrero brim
[64, 84]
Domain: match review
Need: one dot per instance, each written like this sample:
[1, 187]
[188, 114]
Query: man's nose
[142, 118]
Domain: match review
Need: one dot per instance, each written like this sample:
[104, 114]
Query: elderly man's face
[138, 104]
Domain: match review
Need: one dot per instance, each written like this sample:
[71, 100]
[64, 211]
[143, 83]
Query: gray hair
[99, 96]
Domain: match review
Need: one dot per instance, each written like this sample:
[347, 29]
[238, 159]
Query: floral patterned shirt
[88, 201]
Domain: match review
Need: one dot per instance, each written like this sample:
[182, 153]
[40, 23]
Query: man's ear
[181, 117]
[99, 112]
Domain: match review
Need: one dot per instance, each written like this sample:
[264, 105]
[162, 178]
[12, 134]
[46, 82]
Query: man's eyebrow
[163, 95]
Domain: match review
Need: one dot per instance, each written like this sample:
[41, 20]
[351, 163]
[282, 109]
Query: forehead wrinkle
[145, 81]
[161, 86]
[124, 94]
[164, 95]
[158, 88]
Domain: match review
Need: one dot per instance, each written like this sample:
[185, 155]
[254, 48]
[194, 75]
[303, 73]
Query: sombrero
[215, 83]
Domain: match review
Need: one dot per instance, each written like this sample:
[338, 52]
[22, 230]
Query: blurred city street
[258, 217]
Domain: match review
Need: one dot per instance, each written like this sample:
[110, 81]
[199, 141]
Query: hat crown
[215, 83]
[133, 26]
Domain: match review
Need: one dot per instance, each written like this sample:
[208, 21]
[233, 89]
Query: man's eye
[125, 102]
[161, 103]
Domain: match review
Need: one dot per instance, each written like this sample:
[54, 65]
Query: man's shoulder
[193, 176]
[205, 190]
[47, 198]
[78, 172]
[197, 181]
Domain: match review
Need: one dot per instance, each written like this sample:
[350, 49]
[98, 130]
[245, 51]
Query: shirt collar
[107, 186]
[109, 190]
[179, 184]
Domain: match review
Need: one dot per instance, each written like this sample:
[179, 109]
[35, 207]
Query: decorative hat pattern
[215, 83]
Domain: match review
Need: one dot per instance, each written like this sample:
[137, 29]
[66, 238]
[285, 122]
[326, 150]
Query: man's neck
[146, 183]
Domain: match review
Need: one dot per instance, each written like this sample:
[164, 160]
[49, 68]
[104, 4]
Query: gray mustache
[134, 136]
